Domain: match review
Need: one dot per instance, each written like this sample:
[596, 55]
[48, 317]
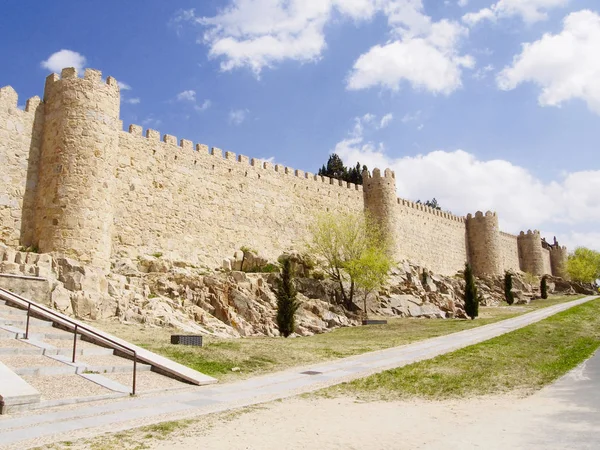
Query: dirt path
[488, 423]
[565, 415]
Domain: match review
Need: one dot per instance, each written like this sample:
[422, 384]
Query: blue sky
[483, 104]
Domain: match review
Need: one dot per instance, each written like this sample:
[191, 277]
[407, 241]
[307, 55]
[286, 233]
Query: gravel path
[53, 387]
[104, 360]
[14, 343]
[147, 381]
[17, 361]
[68, 343]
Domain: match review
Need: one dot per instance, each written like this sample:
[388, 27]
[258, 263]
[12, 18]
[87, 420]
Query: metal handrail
[76, 327]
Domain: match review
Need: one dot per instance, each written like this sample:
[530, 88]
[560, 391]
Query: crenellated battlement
[530, 234]
[92, 76]
[9, 100]
[436, 212]
[202, 150]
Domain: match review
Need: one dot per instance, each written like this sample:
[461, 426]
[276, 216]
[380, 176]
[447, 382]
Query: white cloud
[462, 3]
[131, 101]
[123, 86]
[64, 58]
[565, 65]
[426, 54]
[463, 184]
[236, 117]
[187, 96]
[530, 11]
[258, 34]
[386, 120]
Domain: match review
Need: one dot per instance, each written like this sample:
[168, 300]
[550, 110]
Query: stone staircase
[39, 372]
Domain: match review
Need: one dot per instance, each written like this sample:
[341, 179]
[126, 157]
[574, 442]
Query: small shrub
[471, 297]
[544, 287]
[508, 294]
[157, 254]
[287, 305]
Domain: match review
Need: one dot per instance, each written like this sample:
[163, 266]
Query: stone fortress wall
[75, 183]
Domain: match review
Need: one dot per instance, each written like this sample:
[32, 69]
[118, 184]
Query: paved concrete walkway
[32, 430]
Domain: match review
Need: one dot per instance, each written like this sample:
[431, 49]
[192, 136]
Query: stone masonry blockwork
[73, 182]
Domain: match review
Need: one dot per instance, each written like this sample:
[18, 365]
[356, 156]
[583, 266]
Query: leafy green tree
[584, 265]
[287, 304]
[471, 297]
[508, 294]
[544, 287]
[370, 271]
[351, 248]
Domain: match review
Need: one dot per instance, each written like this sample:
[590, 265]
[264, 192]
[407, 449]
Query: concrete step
[15, 392]
[37, 333]
[20, 351]
[69, 369]
[68, 389]
[21, 322]
[8, 311]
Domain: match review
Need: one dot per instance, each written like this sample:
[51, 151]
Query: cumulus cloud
[258, 34]
[238, 116]
[565, 65]
[123, 86]
[131, 101]
[530, 11]
[425, 54]
[64, 58]
[464, 184]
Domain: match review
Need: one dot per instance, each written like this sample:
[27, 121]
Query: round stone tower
[483, 238]
[74, 211]
[381, 203]
[558, 261]
[531, 258]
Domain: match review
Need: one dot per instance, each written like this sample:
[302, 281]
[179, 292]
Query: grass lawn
[523, 361]
[259, 355]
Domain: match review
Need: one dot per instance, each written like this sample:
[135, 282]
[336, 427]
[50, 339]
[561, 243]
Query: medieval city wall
[20, 140]
[430, 238]
[510, 251]
[188, 203]
[72, 181]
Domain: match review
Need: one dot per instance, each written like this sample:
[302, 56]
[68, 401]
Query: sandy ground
[507, 422]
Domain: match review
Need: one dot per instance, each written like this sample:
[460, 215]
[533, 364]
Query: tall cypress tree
[508, 294]
[544, 287]
[287, 305]
[471, 299]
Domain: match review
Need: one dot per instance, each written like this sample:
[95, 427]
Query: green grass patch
[259, 355]
[524, 360]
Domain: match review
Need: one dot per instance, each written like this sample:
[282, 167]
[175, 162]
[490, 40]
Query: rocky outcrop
[232, 303]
